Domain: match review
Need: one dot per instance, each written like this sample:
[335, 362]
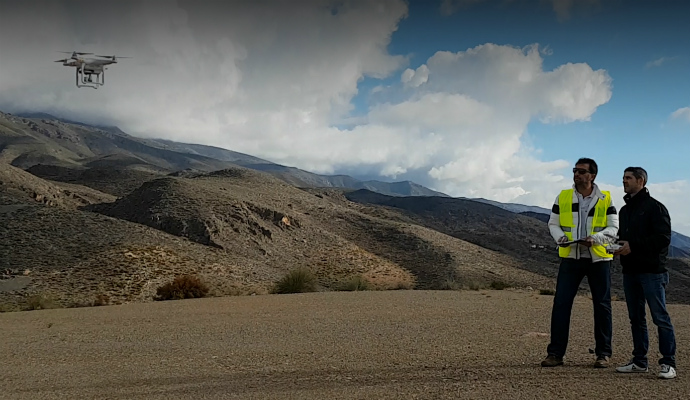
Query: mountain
[38, 142]
[88, 211]
[680, 244]
[38, 139]
[238, 229]
[521, 237]
[514, 207]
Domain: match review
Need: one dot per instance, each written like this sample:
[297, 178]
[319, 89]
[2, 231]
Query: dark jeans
[649, 288]
[570, 275]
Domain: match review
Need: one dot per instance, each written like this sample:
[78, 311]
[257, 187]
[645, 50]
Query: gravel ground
[354, 345]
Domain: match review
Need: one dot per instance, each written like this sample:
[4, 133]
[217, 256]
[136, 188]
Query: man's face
[581, 174]
[631, 184]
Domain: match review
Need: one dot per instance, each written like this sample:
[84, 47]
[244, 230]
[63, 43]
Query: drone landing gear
[87, 78]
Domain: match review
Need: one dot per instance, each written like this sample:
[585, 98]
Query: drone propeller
[112, 57]
[74, 52]
[65, 60]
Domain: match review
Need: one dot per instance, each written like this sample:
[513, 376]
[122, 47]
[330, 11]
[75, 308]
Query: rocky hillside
[239, 229]
[87, 212]
[522, 236]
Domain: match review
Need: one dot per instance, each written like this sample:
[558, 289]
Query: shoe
[631, 367]
[552, 361]
[602, 362]
[667, 372]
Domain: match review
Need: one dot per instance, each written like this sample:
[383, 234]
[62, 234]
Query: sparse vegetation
[547, 292]
[499, 285]
[449, 284]
[403, 285]
[473, 285]
[355, 283]
[182, 287]
[39, 302]
[299, 280]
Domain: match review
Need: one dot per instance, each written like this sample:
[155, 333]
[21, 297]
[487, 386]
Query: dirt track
[378, 345]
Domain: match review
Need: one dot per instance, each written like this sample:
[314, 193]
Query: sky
[474, 98]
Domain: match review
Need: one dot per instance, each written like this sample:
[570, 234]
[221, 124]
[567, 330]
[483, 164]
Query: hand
[562, 239]
[624, 250]
[588, 241]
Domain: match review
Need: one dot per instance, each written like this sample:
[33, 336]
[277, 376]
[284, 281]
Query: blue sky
[623, 38]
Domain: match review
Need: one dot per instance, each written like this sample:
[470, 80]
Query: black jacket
[646, 225]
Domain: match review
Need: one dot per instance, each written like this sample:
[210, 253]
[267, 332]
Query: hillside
[523, 238]
[31, 139]
[237, 228]
[98, 212]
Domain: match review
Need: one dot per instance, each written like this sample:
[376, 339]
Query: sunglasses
[580, 171]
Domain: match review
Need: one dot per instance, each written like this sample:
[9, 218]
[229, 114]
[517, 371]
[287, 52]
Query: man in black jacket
[645, 235]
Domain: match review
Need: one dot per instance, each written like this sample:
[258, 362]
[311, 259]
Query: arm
[660, 235]
[555, 222]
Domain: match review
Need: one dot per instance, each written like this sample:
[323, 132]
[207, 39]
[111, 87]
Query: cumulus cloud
[414, 78]
[275, 80]
[682, 113]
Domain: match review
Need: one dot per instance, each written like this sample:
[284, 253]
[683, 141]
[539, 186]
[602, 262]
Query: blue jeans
[649, 288]
[570, 275]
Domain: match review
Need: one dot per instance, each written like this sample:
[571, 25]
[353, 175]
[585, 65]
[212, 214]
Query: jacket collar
[642, 194]
[596, 193]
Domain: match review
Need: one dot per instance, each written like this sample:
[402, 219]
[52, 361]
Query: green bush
[182, 287]
[300, 280]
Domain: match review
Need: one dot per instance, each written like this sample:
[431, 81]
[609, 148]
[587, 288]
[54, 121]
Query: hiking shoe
[667, 372]
[552, 361]
[631, 367]
[602, 362]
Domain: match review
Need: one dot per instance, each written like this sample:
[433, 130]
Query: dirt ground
[344, 345]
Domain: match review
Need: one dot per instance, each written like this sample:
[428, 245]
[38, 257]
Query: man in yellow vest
[583, 221]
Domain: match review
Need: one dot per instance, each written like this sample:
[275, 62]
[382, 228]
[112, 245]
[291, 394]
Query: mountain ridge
[155, 155]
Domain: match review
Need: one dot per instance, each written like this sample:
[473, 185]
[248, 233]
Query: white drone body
[85, 69]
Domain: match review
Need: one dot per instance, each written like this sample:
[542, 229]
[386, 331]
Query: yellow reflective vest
[568, 225]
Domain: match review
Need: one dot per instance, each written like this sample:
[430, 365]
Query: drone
[85, 68]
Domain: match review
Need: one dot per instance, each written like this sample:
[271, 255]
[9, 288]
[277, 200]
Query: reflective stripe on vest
[565, 206]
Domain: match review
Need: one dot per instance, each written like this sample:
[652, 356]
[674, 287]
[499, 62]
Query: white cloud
[682, 113]
[273, 81]
[674, 196]
[658, 62]
[414, 78]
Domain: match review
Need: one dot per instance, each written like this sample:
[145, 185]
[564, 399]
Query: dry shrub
[39, 302]
[101, 300]
[182, 287]
[403, 285]
[299, 280]
[547, 292]
[473, 285]
[356, 283]
[498, 285]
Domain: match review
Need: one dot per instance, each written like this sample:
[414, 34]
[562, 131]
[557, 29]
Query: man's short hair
[593, 169]
[638, 173]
